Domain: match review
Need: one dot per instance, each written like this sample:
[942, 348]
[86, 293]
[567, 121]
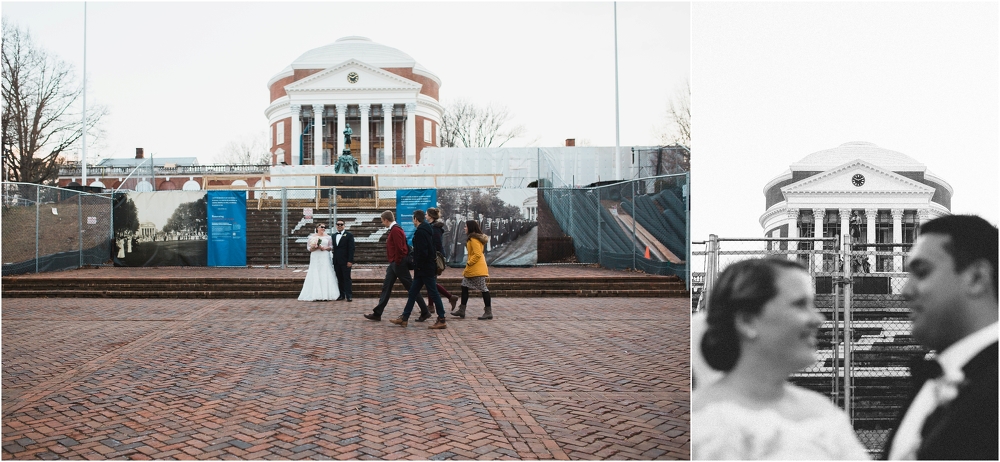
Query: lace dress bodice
[728, 430]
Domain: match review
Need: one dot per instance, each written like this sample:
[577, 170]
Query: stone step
[294, 292]
[285, 287]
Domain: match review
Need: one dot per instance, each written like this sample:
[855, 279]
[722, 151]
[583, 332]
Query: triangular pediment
[856, 177]
[339, 78]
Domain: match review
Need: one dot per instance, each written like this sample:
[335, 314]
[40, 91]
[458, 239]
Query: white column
[923, 215]
[411, 133]
[317, 131]
[365, 139]
[387, 132]
[818, 215]
[341, 126]
[870, 215]
[897, 236]
[845, 222]
[793, 230]
[296, 133]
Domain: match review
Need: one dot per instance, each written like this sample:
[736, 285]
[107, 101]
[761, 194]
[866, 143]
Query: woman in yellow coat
[476, 272]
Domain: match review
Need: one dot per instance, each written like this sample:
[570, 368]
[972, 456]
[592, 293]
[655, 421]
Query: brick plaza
[548, 378]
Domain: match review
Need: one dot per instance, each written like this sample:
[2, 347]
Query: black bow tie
[922, 370]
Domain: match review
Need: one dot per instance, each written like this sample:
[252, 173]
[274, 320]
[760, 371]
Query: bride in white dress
[761, 328]
[321, 280]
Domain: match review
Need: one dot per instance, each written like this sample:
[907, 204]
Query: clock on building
[858, 179]
[353, 77]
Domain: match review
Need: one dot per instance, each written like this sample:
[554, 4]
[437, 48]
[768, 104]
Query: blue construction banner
[227, 228]
[408, 200]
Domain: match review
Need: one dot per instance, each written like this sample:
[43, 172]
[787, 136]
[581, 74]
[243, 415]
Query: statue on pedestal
[346, 163]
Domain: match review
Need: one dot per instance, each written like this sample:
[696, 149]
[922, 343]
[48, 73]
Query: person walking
[434, 218]
[424, 272]
[475, 274]
[343, 259]
[321, 280]
[396, 250]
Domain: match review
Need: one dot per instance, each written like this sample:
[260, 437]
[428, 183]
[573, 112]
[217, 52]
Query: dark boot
[488, 314]
[460, 313]
[489, 309]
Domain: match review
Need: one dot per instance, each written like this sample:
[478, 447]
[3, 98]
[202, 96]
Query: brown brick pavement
[282, 379]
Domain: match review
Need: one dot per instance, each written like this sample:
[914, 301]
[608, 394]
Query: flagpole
[618, 167]
[83, 139]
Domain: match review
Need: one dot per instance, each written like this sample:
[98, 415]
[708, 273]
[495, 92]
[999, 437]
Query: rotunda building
[389, 101]
[875, 194]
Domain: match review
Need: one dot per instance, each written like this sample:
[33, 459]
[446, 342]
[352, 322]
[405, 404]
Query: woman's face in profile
[787, 325]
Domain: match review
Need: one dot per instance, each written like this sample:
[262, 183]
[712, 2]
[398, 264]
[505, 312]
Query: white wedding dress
[321, 280]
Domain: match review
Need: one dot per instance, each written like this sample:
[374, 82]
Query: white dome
[191, 185]
[868, 152]
[361, 48]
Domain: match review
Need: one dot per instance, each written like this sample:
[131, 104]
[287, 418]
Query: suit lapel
[951, 415]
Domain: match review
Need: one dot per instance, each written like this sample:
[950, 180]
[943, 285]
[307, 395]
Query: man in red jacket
[396, 250]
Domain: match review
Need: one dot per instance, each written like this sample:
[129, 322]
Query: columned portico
[358, 79]
[877, 196]
[387, 133]
[364, 109]
[296, 134]
[411, 133]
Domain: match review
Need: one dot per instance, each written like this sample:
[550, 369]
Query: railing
[161, 170]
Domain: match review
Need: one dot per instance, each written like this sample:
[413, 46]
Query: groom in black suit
[343, 259]
[952, 293]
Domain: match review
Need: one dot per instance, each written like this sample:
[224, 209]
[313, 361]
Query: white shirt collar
[392, 224]
[954, 358]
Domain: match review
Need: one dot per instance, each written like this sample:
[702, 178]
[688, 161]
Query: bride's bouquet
[313, 243]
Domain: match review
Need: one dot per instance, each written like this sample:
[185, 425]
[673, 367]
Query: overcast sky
[775, 82]
[183, 79]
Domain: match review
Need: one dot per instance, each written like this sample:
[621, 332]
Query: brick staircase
[264, 234]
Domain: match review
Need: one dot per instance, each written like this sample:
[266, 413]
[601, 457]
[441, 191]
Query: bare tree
[677, 128]
[250, 149]
[41, 114]
[467, 125]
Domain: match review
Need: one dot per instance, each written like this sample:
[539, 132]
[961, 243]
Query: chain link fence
[637, 224]
[864, 346]
[48, 229]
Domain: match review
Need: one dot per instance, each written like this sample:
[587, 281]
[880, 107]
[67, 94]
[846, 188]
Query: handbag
[439, 259]
[408, 259]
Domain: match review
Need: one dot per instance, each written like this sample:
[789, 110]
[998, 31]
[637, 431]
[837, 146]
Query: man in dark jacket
[343, 259]
[952, 296]
[424, 272]
[396, 250]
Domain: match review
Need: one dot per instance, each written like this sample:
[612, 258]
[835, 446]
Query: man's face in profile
[933, 291]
